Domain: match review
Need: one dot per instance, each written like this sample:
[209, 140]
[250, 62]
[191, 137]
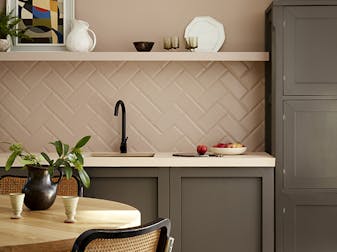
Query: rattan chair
[152, 237]
[11, 184]
[69, 187]
[14, 184]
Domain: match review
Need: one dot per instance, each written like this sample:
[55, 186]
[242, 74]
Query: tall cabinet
[301, 122]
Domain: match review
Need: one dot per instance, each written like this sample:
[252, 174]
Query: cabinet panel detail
[310, 135]
[216, 209]
[310, 50]
[311, 224]
[227, 210]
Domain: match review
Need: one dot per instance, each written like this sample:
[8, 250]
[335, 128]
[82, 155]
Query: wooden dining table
[46, 231]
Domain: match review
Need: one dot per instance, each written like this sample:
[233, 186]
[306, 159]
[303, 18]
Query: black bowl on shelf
[143, 46]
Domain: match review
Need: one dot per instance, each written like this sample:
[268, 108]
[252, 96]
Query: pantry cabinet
[301, 122]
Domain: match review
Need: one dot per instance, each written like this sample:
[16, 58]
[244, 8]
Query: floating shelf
[135, 56]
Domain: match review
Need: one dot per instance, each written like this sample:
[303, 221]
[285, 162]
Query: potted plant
[40, 190]
[8, 29]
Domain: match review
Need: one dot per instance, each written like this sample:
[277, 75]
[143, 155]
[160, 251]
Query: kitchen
[173, 106]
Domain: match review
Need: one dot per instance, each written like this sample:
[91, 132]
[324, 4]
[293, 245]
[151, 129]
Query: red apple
[201, 149]
[220, 145]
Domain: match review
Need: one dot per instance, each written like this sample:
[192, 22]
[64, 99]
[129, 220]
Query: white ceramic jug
[78, 40]
[6, 44]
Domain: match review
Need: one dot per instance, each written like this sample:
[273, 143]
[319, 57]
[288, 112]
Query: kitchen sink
[118, 154]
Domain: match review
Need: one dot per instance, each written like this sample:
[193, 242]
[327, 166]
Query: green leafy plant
[68, 159]
[8, 26]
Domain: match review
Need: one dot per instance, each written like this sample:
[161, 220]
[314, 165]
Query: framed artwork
[46, 23]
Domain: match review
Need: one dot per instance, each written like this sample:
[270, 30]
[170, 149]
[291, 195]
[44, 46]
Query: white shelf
[134, 56]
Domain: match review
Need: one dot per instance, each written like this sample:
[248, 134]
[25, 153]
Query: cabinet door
[310, 222]
[146, 189]
[310, 50]
[310, 144]
[222, 209]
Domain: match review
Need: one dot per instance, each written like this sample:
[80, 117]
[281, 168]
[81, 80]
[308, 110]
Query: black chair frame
[163, 224]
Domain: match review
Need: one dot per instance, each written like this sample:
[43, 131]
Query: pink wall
[171, 106]
[118, 23]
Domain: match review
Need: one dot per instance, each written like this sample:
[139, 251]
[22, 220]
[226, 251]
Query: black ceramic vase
[39, 190]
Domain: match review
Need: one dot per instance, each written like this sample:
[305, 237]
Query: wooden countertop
[161, 159]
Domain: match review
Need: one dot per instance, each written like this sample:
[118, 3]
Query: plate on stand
[210, 33]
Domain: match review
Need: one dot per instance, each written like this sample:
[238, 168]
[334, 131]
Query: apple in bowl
[228, 145]
[221, 149]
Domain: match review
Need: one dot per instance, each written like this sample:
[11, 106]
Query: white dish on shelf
[227, 151]
[210, 33]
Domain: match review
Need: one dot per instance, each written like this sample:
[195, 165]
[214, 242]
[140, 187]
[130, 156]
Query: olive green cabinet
[310, 222]
[301, 122]
[310, 137]
[222, 209]
[211, 209]
[147, 189]
[310, 50]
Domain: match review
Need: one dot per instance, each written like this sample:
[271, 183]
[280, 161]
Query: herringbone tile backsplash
[171, 106]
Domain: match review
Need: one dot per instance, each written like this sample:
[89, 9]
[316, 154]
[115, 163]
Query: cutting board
[190, 155]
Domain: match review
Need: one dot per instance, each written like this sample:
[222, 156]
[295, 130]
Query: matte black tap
[123, 147]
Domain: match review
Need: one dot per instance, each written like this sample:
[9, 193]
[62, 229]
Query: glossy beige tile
[171, 106]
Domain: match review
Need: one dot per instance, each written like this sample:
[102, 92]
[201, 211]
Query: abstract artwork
[46, 23]
[43, 21]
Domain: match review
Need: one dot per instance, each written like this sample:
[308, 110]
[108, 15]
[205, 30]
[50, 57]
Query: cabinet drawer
[310, 144]
[310, 50]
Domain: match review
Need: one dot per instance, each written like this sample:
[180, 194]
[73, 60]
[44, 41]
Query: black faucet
[123, 147]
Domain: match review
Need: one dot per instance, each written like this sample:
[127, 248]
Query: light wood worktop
[249, 159]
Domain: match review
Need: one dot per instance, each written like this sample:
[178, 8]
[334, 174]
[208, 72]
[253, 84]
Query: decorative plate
[210, 33]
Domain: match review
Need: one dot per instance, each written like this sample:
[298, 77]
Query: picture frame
[46, 23]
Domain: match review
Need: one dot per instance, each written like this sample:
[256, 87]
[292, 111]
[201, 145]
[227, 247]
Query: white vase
[5, 44]
[79, 40]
